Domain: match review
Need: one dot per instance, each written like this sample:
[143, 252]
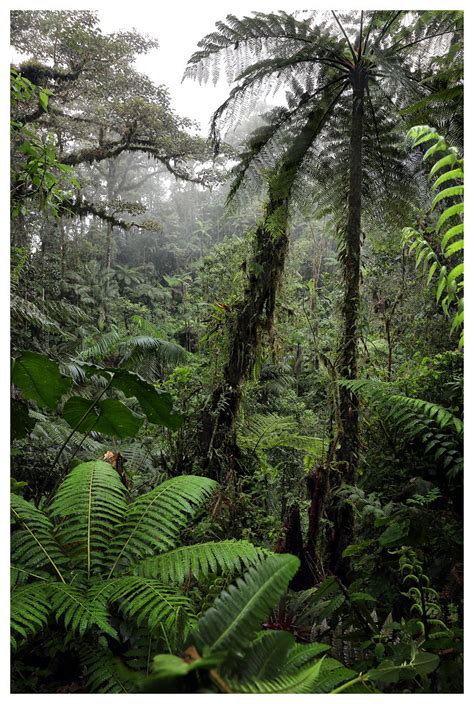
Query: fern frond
[268, 431]
[29, 611]
[103, 671]
[331, 675]
[319, 677]
[225, 557]
[448, 169]
[148, 602]
[439, 429]
[90, 503]
[266, 657]
[301, 653]
[397, 406]
[26, 311]
[78, 610]
[34, 545]
[153, 522]
[237, 614]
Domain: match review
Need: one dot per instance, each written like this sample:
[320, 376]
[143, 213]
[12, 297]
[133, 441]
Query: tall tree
[381, 61]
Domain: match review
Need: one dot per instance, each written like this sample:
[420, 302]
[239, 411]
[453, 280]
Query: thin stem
[74, 430]
[346, 37]
[346, 685]
[423, 39]
[359, 52]
[386, 27]
[368, 32]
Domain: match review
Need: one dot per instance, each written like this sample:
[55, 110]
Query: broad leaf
[110, 417]
[39, 379]
[156, 405]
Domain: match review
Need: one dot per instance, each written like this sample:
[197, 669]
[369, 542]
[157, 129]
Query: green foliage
[250, 660]
[38, 172]
[239, 612]
[436, 427]
[133, 576]
[449, 228]
[39, 379]
[200, 561]
[92, 553]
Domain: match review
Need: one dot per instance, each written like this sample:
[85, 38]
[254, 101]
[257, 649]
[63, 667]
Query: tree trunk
[348, 440]
[253, 316]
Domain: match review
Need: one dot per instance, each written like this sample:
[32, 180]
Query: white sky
[178, 29]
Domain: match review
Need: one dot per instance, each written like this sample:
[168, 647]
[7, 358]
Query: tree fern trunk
[348, 440]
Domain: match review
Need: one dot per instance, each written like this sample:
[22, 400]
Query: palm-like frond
[237, 614]
[34, 545]
[153, 522]
[264, 432]
[401, 409]
[90, 503]
[78, 611]
[435, 426]
[103, 671]
[198, 561]
[29, 610]
[28, 312]
[147, 602]
[136, 352]
[316, 677]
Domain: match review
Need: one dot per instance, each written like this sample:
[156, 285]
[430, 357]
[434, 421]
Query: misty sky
[179, 26]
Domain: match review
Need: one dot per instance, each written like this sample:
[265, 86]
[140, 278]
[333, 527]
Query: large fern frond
[448, 204]
[400, 409]
[34, 546]
[90, 503]
[104, 672]
[29, 611]
[198, 561]
[153, 522]
[301, 654]
[237, 614]
[440, 430]
[78, 610]
[265, 432]
[266, 656]
[147, 602]
[317, 677]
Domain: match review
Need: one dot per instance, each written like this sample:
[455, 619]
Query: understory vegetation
[237, 360]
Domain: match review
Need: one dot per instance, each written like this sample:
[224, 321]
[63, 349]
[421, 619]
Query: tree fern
[97, 566]
[153, 522]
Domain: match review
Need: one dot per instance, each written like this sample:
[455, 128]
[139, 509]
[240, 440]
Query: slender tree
[383, 62]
